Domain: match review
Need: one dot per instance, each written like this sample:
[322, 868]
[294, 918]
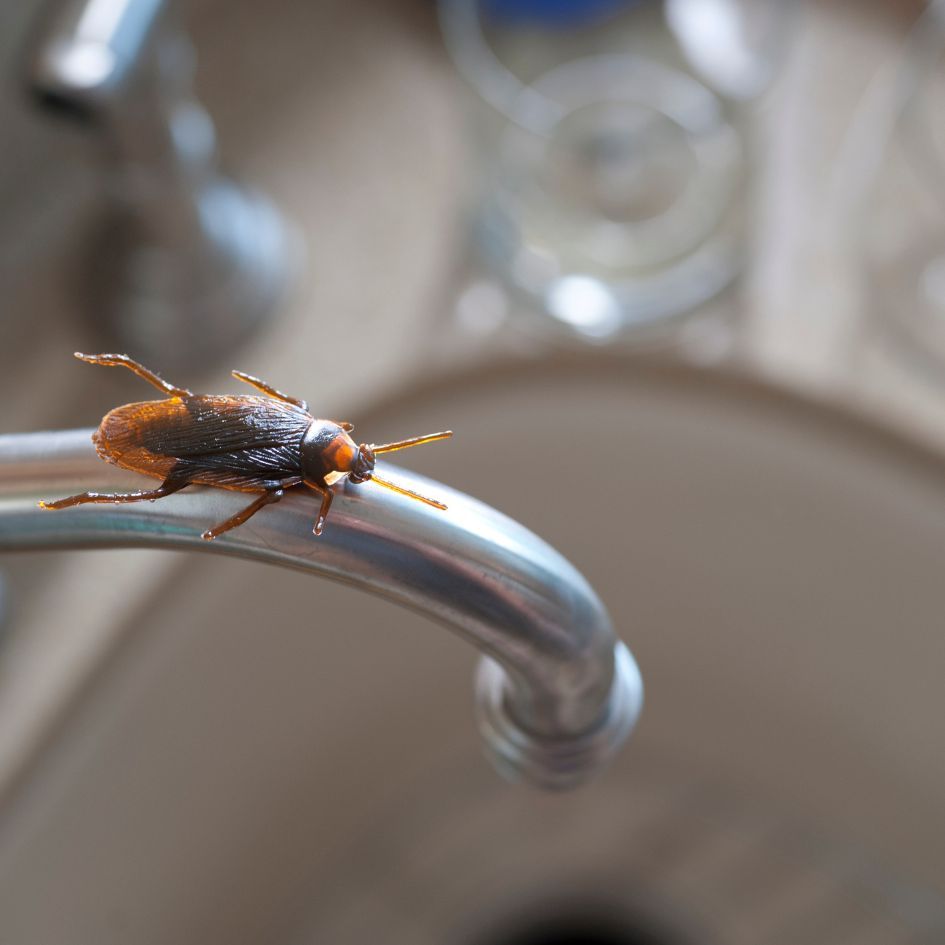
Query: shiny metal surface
[186, 262]
[557, 693]
[87, 49]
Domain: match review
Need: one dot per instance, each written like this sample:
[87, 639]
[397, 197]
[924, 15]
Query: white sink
[271, 757]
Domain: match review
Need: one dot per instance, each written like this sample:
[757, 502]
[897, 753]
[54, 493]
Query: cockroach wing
[246, 443]
[198, 426]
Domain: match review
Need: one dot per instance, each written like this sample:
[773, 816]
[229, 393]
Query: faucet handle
[187, 262]
[86, 52]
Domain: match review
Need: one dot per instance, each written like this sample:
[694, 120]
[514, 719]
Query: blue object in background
[552, 12]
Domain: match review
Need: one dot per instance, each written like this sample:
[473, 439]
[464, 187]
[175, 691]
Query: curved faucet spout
[557, 693]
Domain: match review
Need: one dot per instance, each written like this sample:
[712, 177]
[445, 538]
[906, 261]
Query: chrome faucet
[557, 693]
[187, 262]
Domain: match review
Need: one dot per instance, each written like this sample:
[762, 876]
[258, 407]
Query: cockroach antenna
[402, 445]
[413, 441]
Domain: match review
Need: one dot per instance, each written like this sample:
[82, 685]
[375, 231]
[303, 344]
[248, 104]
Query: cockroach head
[363, 466]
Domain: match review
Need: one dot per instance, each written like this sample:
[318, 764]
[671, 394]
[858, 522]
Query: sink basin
[264, 756]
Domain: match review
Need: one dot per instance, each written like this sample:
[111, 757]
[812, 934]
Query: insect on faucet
[244, 443]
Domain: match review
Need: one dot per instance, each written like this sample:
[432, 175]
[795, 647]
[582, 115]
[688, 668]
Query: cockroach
[242, 442]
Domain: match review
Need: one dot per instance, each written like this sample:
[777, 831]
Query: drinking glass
[614, 150]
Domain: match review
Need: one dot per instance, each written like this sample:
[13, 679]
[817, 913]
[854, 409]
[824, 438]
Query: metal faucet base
[186, 309]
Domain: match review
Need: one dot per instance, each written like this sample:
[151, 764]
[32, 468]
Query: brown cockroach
[245, 443]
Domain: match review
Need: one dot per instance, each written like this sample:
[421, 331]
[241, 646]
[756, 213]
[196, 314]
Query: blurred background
[707, 235]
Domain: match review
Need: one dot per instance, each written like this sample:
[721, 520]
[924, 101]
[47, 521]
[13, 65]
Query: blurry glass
[613, 147]
[901, 225]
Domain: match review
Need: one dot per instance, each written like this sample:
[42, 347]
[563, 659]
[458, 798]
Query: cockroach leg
[168, 487]
[327, 496]
[267, 498]
[268, 389]
[122, 360]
